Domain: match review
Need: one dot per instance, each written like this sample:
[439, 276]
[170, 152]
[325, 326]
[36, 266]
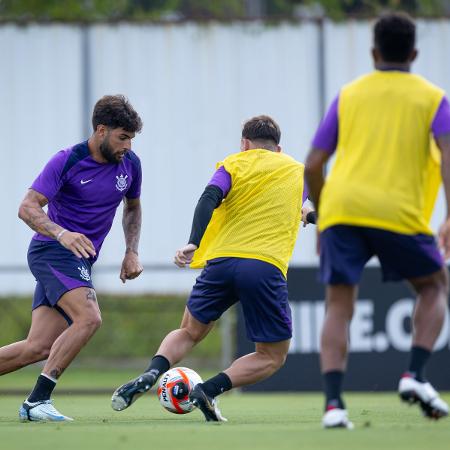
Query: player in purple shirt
[82, 186]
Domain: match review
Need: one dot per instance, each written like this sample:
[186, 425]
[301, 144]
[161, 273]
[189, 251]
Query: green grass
[75, 379]
[256, 421]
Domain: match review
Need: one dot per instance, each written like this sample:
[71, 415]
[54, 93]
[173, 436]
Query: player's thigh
[406, 256]
[46, 326]
[81, 305]
[344, 251]
[59, 275]
[213, 292]
[194, 327]
[263, 294]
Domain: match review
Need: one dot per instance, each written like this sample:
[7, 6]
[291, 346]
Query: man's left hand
[184, 255]
[131, 267]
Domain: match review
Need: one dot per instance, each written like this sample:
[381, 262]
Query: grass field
[256, 421]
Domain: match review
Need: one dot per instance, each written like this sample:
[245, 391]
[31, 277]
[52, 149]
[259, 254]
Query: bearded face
[108, 152]
[115, 143]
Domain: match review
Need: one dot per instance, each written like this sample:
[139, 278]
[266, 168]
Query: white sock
[49, 377]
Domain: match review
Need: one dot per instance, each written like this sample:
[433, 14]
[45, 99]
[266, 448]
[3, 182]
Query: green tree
[97, 10]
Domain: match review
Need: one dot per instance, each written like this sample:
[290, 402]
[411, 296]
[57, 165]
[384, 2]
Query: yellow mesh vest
[261, 214]
[380, 173]
[434, 180]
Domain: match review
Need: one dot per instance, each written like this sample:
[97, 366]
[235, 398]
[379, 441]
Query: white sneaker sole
[118, 403]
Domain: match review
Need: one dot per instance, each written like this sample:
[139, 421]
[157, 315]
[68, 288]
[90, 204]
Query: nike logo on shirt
[85, 181]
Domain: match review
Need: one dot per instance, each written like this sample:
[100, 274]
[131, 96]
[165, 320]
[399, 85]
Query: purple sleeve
[305, 192]
[135, 188]
[222, 179]
[441, 121]
[49, 181]
[327, 134]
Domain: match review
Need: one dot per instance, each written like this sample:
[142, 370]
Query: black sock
[333, 387]
[217, 385]
[419, 357]
[158, 365]
[42, 390]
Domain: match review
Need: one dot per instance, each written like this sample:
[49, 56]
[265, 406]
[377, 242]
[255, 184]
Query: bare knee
[433, 286]
[82, 307]
[274, 357]
[274, 361]
[94, 322]
[91, 322]
[195, 334]
[340, 300]
[36, 351]
[193, 328]
[278, 360]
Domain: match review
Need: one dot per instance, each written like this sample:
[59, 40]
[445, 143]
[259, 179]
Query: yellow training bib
[261, 214]
[381, 173]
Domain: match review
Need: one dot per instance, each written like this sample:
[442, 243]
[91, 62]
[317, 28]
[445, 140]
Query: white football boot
[336, 418]
[412, 391]
[42, 411]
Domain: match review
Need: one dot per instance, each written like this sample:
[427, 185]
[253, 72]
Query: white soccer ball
[174, 387]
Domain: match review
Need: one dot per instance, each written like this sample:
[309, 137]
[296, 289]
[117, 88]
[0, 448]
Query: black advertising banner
[380, 337]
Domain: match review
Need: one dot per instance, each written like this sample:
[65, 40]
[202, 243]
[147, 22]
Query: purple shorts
[261, 289]
[345, 250]
[57, 270]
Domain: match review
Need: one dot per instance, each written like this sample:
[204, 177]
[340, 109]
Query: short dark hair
[261, 128]
[115, 111]
[395, 37]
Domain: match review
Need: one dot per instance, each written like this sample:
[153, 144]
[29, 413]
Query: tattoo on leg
[57, 372]
[90, 295]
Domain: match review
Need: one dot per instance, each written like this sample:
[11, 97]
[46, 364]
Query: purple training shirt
[326, 136]
[83, 195]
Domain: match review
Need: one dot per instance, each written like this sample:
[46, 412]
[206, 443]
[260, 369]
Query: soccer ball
[174, 387]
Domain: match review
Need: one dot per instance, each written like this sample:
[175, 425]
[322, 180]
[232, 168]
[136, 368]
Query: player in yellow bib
[377, 200]
[243, 234]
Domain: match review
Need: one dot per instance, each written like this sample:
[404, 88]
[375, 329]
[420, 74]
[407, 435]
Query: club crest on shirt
[84, 273]
[121, 183]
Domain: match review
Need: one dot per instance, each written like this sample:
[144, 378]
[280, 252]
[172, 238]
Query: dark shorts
[345, 249]
[57, 271]
[259, 286]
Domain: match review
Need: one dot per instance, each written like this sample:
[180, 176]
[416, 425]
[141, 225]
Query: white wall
[193, 86]
[40, 98]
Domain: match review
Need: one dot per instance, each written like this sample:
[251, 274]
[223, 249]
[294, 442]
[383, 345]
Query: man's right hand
[184, 255]
[305, 211]
[444, 238]
[78, 244]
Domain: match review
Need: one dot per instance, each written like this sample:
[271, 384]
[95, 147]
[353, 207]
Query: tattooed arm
[31, 212]
[131, 222]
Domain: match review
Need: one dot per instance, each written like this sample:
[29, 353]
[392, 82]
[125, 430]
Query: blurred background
[194, 70]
